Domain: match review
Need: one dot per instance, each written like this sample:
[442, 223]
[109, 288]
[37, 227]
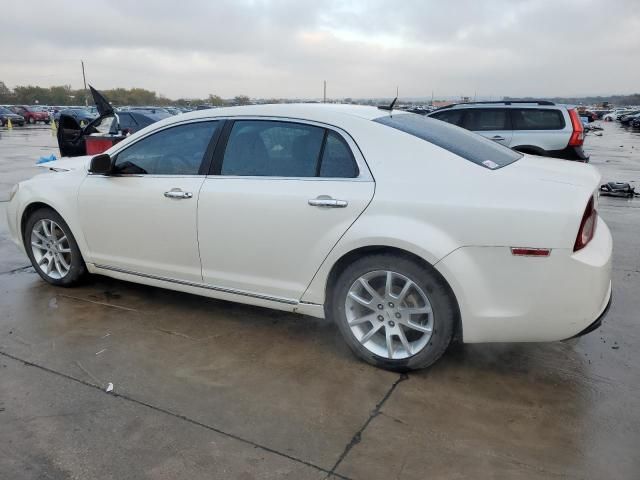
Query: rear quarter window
[537, 119]
[459, 141]
[453, 117]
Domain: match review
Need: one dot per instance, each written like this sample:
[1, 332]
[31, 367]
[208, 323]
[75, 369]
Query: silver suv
[535, 127]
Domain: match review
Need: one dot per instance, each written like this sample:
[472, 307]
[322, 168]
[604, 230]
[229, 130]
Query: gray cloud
[285, 48]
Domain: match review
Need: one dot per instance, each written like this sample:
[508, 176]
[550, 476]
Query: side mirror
[101, 164]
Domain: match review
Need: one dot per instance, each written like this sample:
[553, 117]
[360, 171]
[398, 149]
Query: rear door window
[486, 119]
[537, 119]
[459, 141]
[450, 116]
[273, 149]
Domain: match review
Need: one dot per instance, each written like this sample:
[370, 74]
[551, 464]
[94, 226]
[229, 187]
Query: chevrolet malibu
[406, 231]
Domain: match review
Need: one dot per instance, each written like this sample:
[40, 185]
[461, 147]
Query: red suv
[31, 114]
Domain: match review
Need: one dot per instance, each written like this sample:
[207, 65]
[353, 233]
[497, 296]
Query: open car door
[70, 137]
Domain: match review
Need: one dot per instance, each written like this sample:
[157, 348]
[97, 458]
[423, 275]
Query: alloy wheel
[51, 249]
[389, 314]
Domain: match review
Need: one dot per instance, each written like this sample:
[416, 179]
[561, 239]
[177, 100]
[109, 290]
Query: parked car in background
[82, 115]
[31, 114]
[628, 117]
[534, 127]
[6, 115]
[338, 211]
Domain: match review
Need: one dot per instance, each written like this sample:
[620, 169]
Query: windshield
[6, 111]
[465, 144]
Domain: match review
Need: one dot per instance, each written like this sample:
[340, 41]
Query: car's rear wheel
[52, 248]
[32, 120]
[392, 312]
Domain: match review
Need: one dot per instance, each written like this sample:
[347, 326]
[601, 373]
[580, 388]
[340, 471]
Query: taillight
[577, 137]
[587, 226]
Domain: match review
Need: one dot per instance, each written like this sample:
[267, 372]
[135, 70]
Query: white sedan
[404, 230]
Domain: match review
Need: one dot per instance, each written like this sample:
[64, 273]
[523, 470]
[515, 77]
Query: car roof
[308, 111]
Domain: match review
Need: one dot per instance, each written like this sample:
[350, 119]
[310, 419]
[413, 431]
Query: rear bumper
[598, 321]
[570, 153]
[503, 298]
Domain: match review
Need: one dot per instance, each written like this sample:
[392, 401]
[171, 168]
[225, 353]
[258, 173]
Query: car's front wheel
[32, 120]
[52, 248]
[393, 312]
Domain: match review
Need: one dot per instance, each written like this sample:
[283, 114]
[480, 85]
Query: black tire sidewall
[78, 267]
[442, 303]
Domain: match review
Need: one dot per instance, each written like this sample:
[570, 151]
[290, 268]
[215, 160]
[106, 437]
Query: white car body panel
[253, 235]
[257, 241]
[158, 234]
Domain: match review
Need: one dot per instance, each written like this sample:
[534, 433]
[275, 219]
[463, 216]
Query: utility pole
[84, 79]
[324, 92]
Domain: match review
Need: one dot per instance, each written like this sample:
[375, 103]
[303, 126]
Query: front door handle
[327, 201]
[497, 138]
[177, 193]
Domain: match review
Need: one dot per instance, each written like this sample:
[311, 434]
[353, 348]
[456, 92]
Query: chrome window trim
[364, 172]
[288, 301]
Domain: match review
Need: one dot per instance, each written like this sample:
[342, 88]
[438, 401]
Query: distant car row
[21, 114]
[626, 116]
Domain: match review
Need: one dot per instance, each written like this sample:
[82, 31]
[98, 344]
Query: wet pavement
[212, 389]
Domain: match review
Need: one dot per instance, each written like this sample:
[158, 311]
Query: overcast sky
[285, 48]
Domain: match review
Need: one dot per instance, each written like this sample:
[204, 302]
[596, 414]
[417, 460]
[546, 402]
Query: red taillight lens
[587, 226]
[577, 137]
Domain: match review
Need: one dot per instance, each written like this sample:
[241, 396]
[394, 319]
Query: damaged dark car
[105, 131]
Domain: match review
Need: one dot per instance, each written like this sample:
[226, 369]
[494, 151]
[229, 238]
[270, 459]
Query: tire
[32, 121]
[68, 268]
[46, 122]
[428, 292]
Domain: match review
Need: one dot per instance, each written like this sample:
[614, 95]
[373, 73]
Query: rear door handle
[497, 138]
[327, 201]
[177, 193]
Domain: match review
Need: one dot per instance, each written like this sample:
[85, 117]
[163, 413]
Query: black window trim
[204, 164]
[363, 172]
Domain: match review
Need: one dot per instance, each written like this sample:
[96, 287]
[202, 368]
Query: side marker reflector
[530, 252]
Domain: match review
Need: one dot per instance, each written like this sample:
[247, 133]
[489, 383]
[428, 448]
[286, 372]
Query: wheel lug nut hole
[380, 306]
[392, 323]
[380, 317]
[398, 315]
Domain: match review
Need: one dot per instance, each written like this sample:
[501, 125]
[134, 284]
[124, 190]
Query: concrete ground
[211, 389]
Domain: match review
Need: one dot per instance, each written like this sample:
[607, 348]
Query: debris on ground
[618, 189]
[109, 387]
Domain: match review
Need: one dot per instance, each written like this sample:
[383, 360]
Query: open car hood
[102, 104]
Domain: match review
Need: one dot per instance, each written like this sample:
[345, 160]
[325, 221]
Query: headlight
[13, 191]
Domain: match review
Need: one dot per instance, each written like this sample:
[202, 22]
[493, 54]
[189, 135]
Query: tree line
[65, 95]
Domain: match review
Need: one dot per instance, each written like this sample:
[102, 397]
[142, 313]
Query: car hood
[66, 164]
[554, 170]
